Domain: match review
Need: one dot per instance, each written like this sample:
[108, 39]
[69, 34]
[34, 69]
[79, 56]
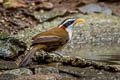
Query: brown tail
[25, 60]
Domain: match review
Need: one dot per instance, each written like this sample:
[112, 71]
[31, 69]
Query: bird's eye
[69, 22]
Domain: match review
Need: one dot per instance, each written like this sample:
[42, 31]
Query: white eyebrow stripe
[67, 21]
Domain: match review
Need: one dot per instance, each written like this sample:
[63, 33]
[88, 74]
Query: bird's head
[67, 24]
[70, 22]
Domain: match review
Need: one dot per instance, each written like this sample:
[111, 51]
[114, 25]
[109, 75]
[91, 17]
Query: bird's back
[53, 39]
[60, 32]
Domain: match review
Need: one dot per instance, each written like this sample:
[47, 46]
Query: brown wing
[46, 39]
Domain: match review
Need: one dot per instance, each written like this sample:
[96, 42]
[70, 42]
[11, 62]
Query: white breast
[70, 30]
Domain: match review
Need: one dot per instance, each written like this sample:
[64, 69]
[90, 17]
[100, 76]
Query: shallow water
[108, 53]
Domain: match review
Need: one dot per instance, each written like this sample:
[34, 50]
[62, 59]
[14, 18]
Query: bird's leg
[43, 54]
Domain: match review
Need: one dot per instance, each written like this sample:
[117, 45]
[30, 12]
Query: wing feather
[46, 39]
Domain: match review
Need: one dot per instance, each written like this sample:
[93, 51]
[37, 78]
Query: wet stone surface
[77, 62]
[11, 47]
[89, 73]
[8, 77]
[70, 73]
[43, 16]
[95, 8]
[46, 70]
[18, 72]
[3, 34]
[7, 65]
[40, 77]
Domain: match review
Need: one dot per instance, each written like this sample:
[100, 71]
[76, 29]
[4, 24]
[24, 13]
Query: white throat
[69, 30]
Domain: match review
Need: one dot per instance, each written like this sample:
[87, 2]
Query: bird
[52, 39]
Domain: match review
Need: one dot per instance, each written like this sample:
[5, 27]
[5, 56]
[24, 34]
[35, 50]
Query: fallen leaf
[46, 5]
[14, 3]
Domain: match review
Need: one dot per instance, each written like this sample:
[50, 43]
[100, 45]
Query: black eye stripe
[68, 23]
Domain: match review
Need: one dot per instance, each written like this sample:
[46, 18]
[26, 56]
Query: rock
[3, 34]
[46, 5]
[8, 77]
[78, 62]
[15, 20]
[35, 1]
[11, 47]
[88, 73]
[55, 64]
[113, 6]
[49, 15]
[95, 8]
[89, 1]
[8, 64]
[46, 70]
[18, 72]
[70, 4]
[52, 76]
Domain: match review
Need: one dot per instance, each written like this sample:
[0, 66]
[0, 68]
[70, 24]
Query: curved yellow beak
[79, 20]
